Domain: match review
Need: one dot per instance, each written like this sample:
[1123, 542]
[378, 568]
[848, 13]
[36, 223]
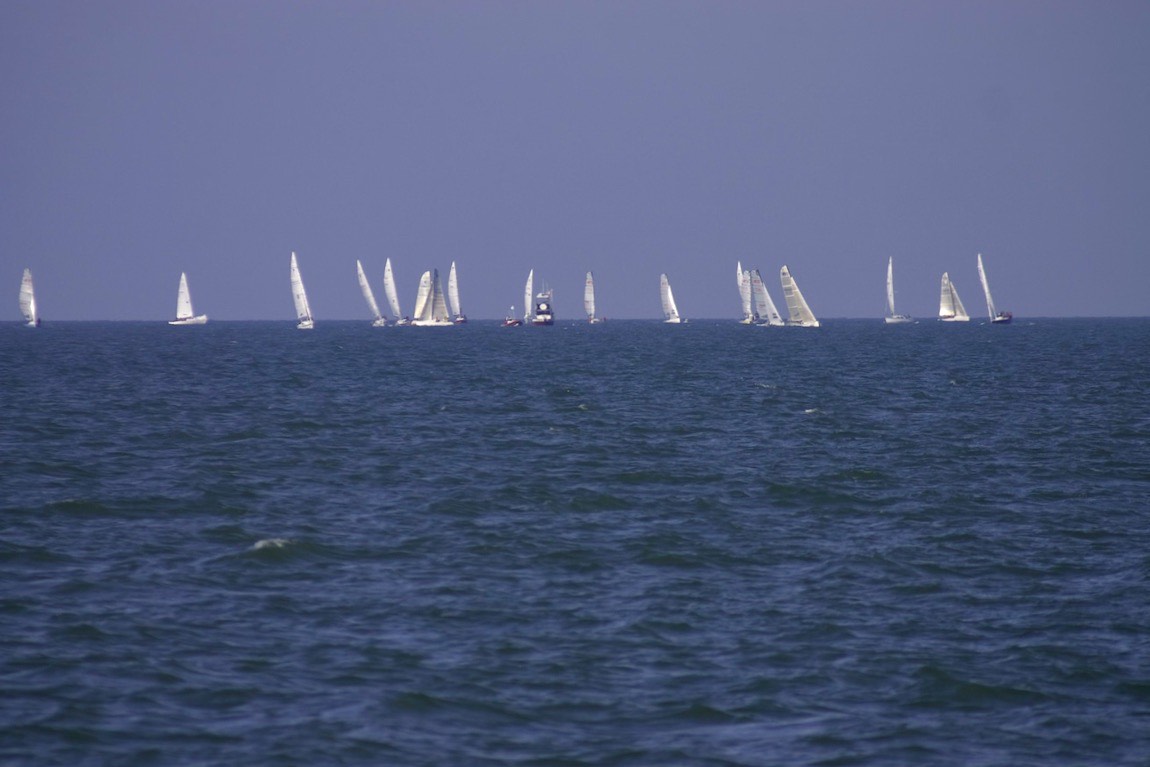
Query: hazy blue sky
[142, 139]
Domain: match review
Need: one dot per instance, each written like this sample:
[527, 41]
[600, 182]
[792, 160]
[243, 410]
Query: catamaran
[392, 296]
[891, 317]
[430, 304]
[28, 301]
[764, 307]
[455, 309]
[950, 308]
[589, 300]
[670, 310]
[299, 296]
[995, 316]
[801, 315]
[377, 319]
[743, 280]
[184, 313]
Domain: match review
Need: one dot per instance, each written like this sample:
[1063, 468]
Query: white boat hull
[305, 325]
[899, 319]
[199, 320]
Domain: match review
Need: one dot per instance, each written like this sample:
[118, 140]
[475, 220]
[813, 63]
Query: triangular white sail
[299, 296]
[764, 306]
[891, 316]
[28, 300]
[743, 280]
[430, 303]
[670, 310]
[995, 315]
[528, 295]
[454, 307]
[589, 299]
[184, 313]
[377, 319]
[800, 313]
[950, 308]
[392, 295]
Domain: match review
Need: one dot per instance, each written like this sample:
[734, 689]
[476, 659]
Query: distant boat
[891, 317]
[184, 313]
[544, 309]
[378, 321]
[743, 279]
[299, 295]
[589, 300]
[392, 296]
[800, 313]
[455, 309]
[528, 295]
[995, 316]
[28, 301]
[764, 307]
[670, 310]
[430, 303]
[950, 308]
[511, 321]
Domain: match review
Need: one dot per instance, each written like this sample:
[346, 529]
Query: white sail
[377, 319]
[392, 295]
[423, 300]
[299, 296]
[995, 315]
[528, 295]
[184, 313]
[743, 279]
[454, 307]
[764, 306]
[950, 308]
[670, 310]
[28, 300]
[431, 303]
[891, 316]
[589, 299]
[800, 313]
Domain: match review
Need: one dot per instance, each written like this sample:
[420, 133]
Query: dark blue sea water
[628, 544]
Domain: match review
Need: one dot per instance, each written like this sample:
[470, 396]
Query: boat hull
[199, 320]
[899, 319]
[306, 325]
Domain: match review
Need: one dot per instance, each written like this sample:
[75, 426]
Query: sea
[623, 544]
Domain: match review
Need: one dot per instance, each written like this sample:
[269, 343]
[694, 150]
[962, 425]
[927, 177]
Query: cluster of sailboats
[759, 309]
[436, 308]
[950, 306]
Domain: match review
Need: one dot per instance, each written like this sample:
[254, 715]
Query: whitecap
[271, 543]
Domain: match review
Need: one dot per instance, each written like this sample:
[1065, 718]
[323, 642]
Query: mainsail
[670, 310]
[369, 296]
[299, 296]
[800, 313]
[764, 306]
[28, 300]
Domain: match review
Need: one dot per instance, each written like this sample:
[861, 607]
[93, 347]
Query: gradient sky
[142, 139]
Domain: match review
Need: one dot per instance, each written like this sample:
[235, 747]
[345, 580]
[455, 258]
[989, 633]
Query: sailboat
[589, 300]
[392, 296]
[801, 315]
[670, 310]
[430, 303]
[743, 279]
[28, 301]
[764, 307]
[184, 313]
[454, 309]
[995, 316]
[378, 321]
[950, 308]
[891, 317]
[528, 294]
[299, 295]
